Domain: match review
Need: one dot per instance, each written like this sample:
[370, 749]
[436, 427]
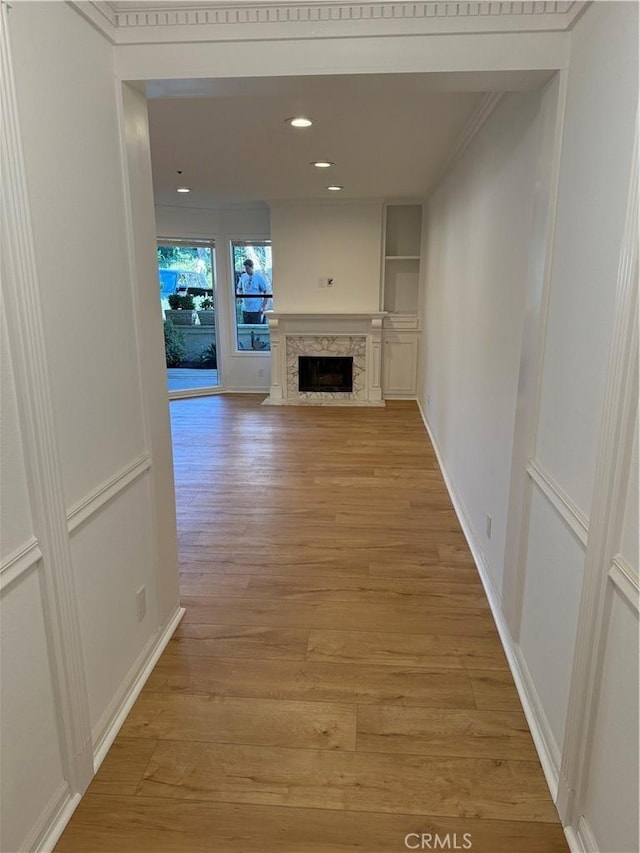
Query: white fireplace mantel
[324, 333]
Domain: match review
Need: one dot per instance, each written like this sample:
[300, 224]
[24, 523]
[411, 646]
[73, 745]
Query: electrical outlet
[261, 372]
[488, 525]
[141, 603]
[322, 282]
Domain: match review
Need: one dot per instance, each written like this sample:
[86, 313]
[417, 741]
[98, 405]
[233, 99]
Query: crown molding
[230, 20]
[479, 118]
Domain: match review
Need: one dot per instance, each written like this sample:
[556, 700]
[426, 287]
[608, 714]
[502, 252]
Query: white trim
[626, 581]
[100, 497]
[575, 844]
[19, 562]
[21, 291]
[480, 117]
[52, 821]
[572, 515]
[255, 390]
[546, 747]
[619, 411]
[429, 17]
[534, 333]
[187, 394]
[100, 15]
[115, 715]
[585, 837]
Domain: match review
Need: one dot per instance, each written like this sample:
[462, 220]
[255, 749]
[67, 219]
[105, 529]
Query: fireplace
[325, 359]
[325, 373]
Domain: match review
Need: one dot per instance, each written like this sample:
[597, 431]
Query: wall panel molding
[21, 295]
[534, 334]
[619, 410]
[626, 581]
[103, 494]
[21, 561]
[573, 517]
[585, 837]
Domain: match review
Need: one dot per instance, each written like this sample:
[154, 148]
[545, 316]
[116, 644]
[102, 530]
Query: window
[252, 288]
[186, 279]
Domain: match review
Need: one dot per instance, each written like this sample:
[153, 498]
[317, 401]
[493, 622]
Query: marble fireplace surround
[356, 335]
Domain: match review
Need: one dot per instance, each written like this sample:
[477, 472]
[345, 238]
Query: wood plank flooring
[337, 682]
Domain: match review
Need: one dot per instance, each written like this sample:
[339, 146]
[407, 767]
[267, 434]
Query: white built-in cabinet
[400, 298]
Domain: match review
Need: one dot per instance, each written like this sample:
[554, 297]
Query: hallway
[337, 682]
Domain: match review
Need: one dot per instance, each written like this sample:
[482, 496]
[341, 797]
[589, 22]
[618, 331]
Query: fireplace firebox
[325, 373]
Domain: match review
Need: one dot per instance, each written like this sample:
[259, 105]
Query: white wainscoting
[625, 580]
[34, 784]
[113, 557]
[572, 516]
[19, 562]
[111, 488]
[111, 723]
[607, 808]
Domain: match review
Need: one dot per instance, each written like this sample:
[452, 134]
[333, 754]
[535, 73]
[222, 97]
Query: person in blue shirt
[253, 282]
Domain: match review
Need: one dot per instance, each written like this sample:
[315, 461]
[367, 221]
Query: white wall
[16, 523]
[153, 387]
[33, 774]
[608, 805]
[315, 240]
[238, 371]
[594, 176]
[68, 584]
[81, 243]
[630, 533]
[465, 387]
[592, 198]
[479, 226]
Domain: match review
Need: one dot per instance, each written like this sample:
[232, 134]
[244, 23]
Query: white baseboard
[54, 818]
[195, 392]
[59, 810]
[251, 390]
[575, 845]
[546, 747]
[585, 837]
[111, 722]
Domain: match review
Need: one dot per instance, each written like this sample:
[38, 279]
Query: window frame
[235, 296]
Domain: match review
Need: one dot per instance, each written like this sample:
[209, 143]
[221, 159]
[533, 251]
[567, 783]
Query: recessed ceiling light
[184, 190]
[322, 164]
[299, 121]
[335, 188]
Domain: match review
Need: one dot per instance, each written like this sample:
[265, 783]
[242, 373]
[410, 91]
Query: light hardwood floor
[337, 682]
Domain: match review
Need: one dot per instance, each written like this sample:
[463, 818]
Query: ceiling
[388, 135]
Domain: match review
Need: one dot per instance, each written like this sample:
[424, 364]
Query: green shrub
[175, 350]
[181, 303]
[209, 357]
